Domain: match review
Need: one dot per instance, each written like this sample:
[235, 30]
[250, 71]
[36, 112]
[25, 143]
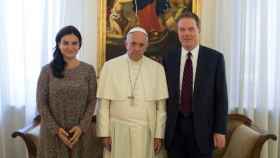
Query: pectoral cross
[133, 84]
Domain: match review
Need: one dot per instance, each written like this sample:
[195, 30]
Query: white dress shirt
[194, 58]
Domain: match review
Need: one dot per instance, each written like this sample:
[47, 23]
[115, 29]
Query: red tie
[187, 86]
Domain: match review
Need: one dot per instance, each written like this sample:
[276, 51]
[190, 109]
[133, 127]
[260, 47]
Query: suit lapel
[201, 62]
[174, 68]
[177, 70]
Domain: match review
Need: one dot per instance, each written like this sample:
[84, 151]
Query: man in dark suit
[198, 103]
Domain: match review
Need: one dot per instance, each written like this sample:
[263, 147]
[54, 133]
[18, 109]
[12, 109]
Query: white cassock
[131, 123]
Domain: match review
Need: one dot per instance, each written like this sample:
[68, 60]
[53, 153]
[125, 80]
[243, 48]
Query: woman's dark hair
[58, 64]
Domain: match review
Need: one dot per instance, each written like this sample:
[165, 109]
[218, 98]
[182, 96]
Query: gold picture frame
[108, 10]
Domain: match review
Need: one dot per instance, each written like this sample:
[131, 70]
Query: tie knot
[189, 54]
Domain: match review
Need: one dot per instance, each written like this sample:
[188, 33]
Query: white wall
[89, 52]
[208, 22]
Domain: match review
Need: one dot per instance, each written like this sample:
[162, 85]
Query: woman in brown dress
[66, 97]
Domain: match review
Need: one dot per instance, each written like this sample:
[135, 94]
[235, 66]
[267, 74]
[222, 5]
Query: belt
[185, 114]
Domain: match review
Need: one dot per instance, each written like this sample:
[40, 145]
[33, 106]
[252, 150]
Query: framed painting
[157, 17]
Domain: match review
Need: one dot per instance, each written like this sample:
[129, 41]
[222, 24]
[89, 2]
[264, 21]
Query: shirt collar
[194, 51]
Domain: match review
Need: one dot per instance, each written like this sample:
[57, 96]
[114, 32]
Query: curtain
[28, 29]
[247, 32]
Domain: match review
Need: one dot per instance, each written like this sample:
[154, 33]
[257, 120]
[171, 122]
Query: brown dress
[65, 103]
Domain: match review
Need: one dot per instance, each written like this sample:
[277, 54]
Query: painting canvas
[157, 17]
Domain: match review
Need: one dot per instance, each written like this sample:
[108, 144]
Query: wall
[89, 53]
[208, 22]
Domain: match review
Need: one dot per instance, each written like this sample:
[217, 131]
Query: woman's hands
[70, 138]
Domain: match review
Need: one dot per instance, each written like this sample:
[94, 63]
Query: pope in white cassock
[132, 91]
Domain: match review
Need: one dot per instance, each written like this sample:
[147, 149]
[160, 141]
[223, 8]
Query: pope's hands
[157, 144]
[107, 142]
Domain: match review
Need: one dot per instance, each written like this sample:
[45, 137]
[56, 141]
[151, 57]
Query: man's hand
[76, 133]
[63, 135]
[219, 140]
[107, 142]
[157, 144]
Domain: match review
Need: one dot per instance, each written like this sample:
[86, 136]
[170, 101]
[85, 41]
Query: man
[198, 103]
[132, 91]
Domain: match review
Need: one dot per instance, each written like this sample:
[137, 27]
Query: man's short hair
[189, 14]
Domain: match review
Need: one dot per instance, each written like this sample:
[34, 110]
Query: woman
[66, 97]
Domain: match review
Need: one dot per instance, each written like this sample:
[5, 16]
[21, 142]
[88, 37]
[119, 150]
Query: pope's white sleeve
[103, 118]
[160, 118]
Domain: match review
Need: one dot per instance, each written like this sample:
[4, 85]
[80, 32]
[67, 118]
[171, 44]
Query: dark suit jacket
[210, 101]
